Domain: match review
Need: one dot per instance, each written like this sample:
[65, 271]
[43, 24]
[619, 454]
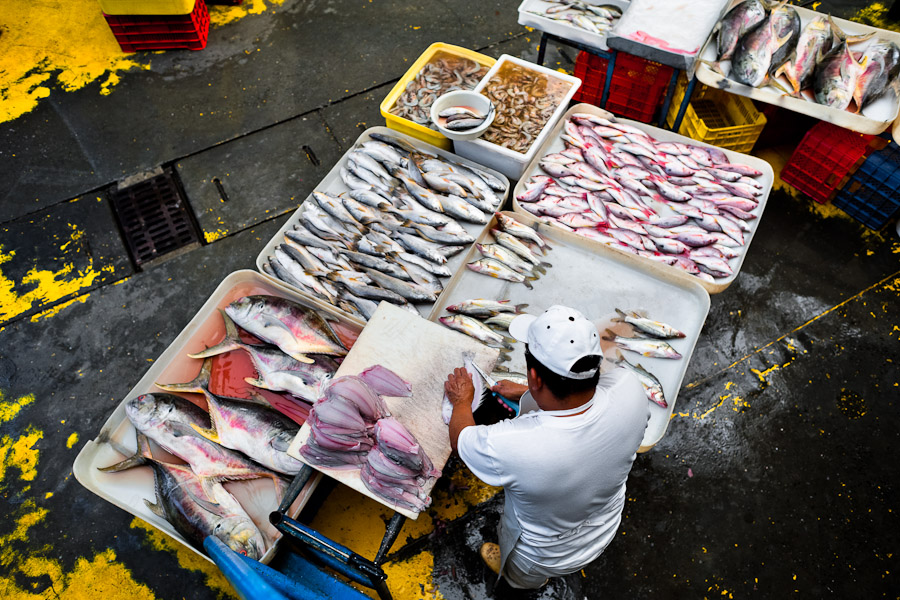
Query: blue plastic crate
[871, 194]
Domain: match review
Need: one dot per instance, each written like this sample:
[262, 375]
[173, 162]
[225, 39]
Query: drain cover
[154, 217]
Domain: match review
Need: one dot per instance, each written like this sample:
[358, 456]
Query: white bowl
[473, 100]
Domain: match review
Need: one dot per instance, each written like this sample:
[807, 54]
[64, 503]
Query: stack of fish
[762, 45]
[351, 428]
[444, 73]
[611, 181]
[476, 318]
[462, 118]
[236, 439]
[511, 256]
[389, 236]
[593, 18]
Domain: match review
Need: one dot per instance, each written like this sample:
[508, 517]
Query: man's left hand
[459, 387]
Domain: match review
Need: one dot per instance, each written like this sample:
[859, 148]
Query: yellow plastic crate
[717, 117]
[147, 7]
[411, 128]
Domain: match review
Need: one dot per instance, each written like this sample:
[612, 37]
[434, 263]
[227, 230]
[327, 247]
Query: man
[562, 465]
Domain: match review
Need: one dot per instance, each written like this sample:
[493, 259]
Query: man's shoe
[490, 554]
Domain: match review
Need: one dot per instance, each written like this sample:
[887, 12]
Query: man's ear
[534, 377]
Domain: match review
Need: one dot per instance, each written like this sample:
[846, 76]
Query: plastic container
[871, 195]
[561, 29]
[161, 32]
[510, 162]
[591, 70]
[403, 125]
[147, 7]
[128, 489]
[825, 158]
[637, 87]
[468, 99]
[717, 117]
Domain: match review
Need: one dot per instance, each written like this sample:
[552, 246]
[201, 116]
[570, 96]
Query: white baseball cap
[558, 339]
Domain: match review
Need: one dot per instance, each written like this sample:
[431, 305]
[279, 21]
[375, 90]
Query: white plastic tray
[332, 184]
[510, 162]
[564, 30]
[596, 284]
[874, 118]
[554, 144]
[128, 489]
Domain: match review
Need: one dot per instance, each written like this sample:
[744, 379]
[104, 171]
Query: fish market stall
[393, 219]
[875, 117]
[681, 217]
[134, 490]
[595, 283]
[422, 354]
[587, 23]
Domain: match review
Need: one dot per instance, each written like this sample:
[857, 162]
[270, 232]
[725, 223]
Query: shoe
[490, 554]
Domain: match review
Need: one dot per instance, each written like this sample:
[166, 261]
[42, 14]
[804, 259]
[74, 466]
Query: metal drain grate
[154, 217]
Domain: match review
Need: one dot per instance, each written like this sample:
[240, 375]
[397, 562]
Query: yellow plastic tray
[408, 127]
[147, 7]
[717, 117]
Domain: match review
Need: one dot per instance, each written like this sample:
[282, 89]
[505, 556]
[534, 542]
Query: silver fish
[646, 346]
[498, 270]
[476, 329]
[882, 70]
[837, 77]
[753, 56]
[652, 387]
[482, 307]
[657, 329]
[736, 23]
[411, 291]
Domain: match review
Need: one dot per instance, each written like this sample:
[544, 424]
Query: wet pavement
[773, 479]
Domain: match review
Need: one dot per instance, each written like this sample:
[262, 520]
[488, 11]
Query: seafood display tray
[511, 163]
[875, 118]
[596, 284]
[128, 489]
[422, 353]
[564, 30]
[554, 144]
[332, 184]
[403, 125]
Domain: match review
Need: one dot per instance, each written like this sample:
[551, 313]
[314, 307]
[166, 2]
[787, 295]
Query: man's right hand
[509, 389]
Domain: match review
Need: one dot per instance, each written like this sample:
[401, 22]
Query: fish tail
[231, 342]
[504, 357]
[714, 65]
[198, 385]
[528, 281]
[520, 308]
[509, 340]
[140, 458]
[621, 316]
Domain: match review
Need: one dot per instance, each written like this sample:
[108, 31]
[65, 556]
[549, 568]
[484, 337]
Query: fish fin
[141, 457]
[538, 268]
[198, 384]
[232, 340]
[206, 483]
[610, 335]
[715, 66]
[855, 39]
[777, 85]
[528, 281]
[621, 316]
[155, 508]
[520, 308]
[545, 265]
[260, 383]
[209, 433]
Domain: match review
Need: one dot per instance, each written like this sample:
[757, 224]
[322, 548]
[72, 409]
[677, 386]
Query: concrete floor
[774, 477]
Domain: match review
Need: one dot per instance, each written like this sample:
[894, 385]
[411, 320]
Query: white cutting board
[424, 354]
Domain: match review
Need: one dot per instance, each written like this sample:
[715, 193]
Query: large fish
[652, 387]
[656, 329]
[247, 426]
[837, 77]
[476, 329]
[786, 23]
[736, 23]
[881, 71]
[482, 307]
[753, 56]
[180, 500]
[295, 329]
[814, 41]
[649, 347]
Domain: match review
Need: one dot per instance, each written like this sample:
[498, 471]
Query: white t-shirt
[564, 477]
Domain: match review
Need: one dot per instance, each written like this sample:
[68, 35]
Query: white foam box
[566, 31]
[129, 489]
[510, 162]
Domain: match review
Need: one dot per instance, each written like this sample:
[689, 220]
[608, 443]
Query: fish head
[149, 411]
[244, 309]
[240, 534]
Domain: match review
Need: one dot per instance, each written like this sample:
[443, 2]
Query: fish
[881, 71]
[656, 329]
[411, 291]
[513, 243]
[498, 270]
[507, 257]
[813, 42]
[501, 320]
[786, 22]
[736, 23]
[837, 77]
[386, 382]
[295, 329]
[401, 446]
[753, 56]
[649, 347]
[483, 307]
[476, 329]
[520, 230]
[369, 292]
[651, 385]
[181, 499]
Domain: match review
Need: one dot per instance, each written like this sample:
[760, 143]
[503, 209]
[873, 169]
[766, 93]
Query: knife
[491, 382]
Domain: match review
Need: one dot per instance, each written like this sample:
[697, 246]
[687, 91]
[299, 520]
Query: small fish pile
[649, 340]
[525, 100]
[611, 181]
[590, 17]
[480, 318]
[511, 256]
[351, 428]
[444, 73]
[462, 118]
[762, 45]
[389, 236]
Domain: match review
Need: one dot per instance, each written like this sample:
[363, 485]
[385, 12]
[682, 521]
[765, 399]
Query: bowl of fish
[462, 115]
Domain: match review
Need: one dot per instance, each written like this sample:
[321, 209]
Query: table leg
[542, 47]
[669, 93]
[684, 103]
[390, 536]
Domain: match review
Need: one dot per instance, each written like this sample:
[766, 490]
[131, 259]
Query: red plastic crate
[591, 69]
[227, 2]
[825, 159]
[161, 32]
[637, 87]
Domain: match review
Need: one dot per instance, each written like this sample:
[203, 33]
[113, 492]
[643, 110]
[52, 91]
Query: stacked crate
[636, 89]
[872, 194]
[157, 24]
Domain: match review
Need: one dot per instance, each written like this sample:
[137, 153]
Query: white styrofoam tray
[596, 284]
[128, 489]
[332, 184]
[875, 118]
[555, 143]
[510, 162]
[567, 31]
